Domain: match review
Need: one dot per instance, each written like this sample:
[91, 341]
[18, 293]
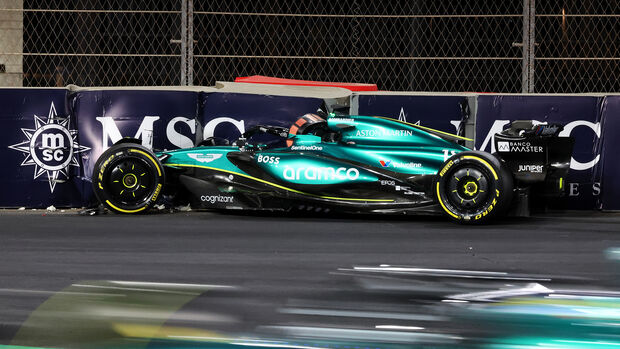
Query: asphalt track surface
[280, 256]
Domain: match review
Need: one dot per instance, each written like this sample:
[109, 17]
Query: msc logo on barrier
[50, 147]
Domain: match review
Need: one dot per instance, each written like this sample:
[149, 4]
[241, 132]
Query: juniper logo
[51, 147]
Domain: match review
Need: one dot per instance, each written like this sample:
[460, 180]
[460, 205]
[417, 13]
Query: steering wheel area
[244, 145]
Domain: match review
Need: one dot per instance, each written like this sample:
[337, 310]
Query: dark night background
[441, 45]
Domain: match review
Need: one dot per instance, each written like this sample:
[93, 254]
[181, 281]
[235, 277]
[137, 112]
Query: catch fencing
[401, 45]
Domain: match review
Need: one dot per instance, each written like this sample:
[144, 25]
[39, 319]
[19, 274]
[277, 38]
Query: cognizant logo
[216, 198]
[321, 173]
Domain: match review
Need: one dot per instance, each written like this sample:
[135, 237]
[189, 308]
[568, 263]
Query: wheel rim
[130, 181]
[468, 188]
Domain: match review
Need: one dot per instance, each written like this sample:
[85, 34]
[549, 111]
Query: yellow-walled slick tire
[473, 187]
[128, 178]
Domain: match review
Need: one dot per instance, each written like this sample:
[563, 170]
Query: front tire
[128, 178]
[473, 187]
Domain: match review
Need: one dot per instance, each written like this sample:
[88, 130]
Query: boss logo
[268, 159]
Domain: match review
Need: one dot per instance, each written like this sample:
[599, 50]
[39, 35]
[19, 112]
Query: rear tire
[474, 187]
[128, 178]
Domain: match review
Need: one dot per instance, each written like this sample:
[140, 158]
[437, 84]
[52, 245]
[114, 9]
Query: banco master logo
[50, 147]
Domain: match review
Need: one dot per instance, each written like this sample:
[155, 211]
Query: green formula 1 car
[351, 164]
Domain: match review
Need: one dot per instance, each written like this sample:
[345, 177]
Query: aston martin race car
[341, 163]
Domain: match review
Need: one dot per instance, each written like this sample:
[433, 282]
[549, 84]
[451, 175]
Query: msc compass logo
[50, 147]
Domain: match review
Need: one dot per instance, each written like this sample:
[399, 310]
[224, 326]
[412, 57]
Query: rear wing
[535, 153]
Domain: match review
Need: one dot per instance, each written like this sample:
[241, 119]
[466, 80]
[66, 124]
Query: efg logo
[50, 147]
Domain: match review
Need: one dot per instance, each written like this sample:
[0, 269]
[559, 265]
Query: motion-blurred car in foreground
[350, 164]
[489, 309]
[497, 310]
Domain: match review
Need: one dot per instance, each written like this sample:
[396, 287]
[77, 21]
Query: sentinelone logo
[50, 147]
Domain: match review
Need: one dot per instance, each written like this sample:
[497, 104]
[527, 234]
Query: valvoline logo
[385, 163]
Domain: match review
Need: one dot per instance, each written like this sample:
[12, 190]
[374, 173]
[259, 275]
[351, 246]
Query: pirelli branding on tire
[129, 178]
[469, 187]
[446, 168]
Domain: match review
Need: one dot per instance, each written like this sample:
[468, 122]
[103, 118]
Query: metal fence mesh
[400, 45]
[101, 43]
[411, 45]
[578, 46]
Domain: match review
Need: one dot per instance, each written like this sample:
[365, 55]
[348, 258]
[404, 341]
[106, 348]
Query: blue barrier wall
[444, 113]
[87, 122]
[608, 168]
[106, 116]
[52, 137]
[39, 149]
[227, 115]
[582, 119]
